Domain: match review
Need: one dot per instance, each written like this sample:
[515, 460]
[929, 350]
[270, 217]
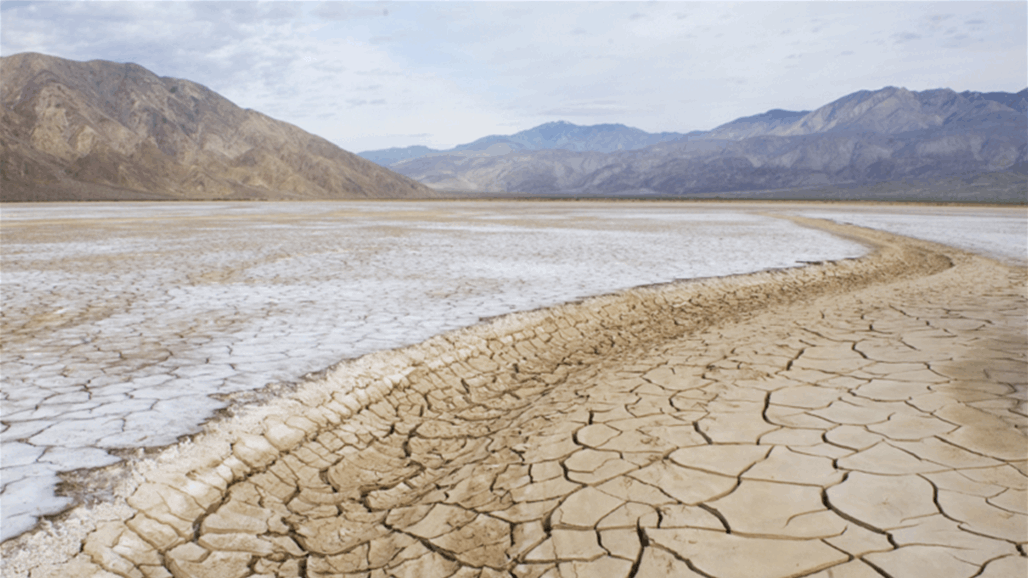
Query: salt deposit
[129, 325]
[1001, 233]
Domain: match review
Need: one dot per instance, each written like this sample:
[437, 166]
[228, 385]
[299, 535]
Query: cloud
[365, 74]
[355, 102]
[340, 11]
[935, 21]
[901, 37]
[594, 108]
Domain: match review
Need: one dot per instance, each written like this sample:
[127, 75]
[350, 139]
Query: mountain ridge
[551, 135]
[101, 130]
[864, 137]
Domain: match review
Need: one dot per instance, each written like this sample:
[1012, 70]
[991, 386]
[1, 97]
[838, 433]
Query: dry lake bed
[129, 326]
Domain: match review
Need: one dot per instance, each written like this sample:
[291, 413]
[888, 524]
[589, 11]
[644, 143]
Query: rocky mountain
[563, 135]
[386, 157]
[865, 137]
[894, 110]
[558, 135]
[108, 131]
[756, 125]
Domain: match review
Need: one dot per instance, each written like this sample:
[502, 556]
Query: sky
[389, 74]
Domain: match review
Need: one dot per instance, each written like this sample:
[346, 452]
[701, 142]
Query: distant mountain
[386, 157]
[756, 125]
[558, 135]
[894, 110]
[1017, 101]
[887, 111]
[563, 135]
[103, 130]
[865, 137]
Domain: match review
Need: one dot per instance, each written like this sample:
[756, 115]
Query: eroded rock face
[108, 131]
[594, 444]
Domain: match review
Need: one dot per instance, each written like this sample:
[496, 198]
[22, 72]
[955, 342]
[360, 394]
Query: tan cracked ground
[852, 419]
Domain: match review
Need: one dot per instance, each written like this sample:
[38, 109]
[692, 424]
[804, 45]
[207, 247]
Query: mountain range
[102, 130]
[863, 138]
[552, 135]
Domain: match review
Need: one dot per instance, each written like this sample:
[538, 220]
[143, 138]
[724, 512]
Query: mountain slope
[103, 130]
[386, 157]
[567, 136]
[558, 135]
[866, 137]
[756, 125]
[894, 110]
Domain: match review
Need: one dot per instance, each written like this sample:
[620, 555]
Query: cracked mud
[860, 418]
[127, 326]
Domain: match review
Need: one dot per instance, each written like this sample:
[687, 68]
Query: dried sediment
[861, 414]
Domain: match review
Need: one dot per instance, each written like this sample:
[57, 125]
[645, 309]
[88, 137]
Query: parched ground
[861, 418]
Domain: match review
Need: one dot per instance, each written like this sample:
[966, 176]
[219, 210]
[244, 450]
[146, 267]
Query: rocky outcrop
[109, 131]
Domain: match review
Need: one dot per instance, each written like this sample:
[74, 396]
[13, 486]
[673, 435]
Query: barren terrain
[127, 326]
[851, 418]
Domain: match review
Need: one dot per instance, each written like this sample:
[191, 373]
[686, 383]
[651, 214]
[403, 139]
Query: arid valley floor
[530, 390]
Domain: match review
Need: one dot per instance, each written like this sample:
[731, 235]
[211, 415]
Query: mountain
[1017, 101]
[866, 137]
[386, 157]
[102, 130]
[558, 135]
[894, 110]
[563, 135]
[756, 125]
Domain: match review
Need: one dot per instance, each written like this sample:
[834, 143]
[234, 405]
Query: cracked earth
[866, 417]
[128, 326]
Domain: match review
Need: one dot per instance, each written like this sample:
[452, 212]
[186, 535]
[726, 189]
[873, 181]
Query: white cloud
[372, 75]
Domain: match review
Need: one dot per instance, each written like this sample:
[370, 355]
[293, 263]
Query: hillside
[866, 137]
[102, 130]
[558, 135]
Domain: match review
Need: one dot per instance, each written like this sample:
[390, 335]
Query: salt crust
[128, 326]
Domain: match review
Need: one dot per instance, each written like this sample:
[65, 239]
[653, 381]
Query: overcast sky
[382, 74]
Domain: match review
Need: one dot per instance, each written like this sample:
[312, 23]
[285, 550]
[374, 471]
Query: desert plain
[514, 389]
